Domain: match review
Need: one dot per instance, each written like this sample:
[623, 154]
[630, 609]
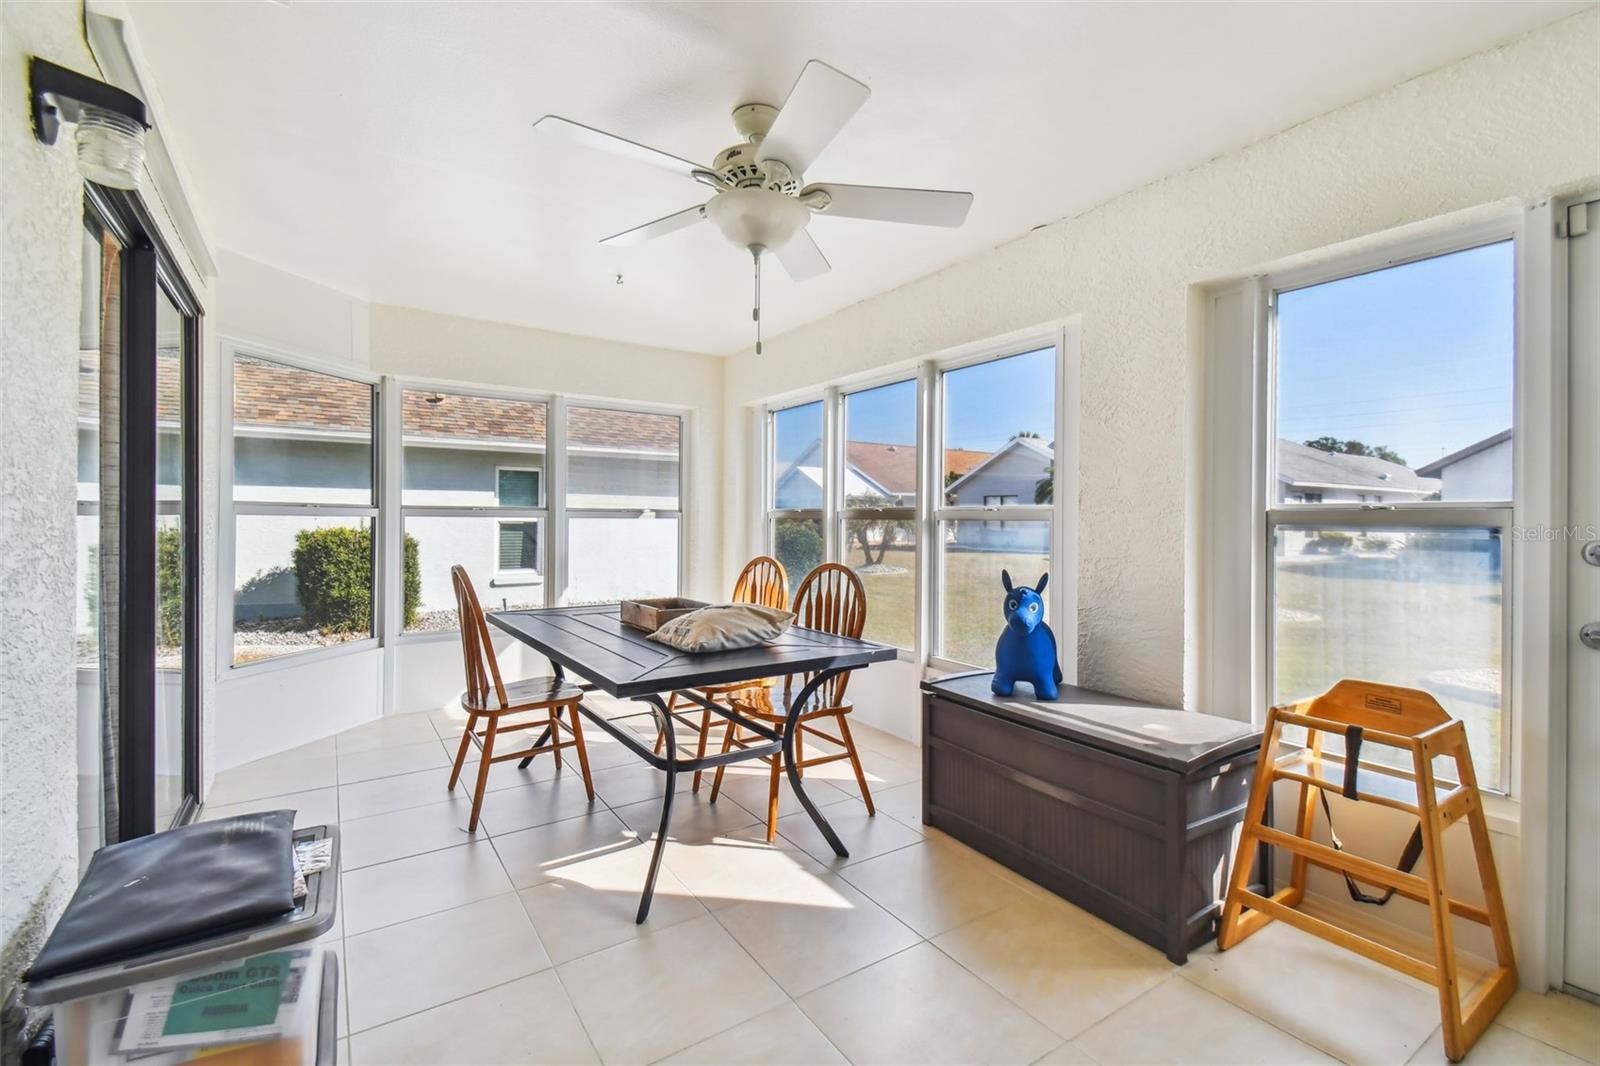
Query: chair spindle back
[830, 600]
[477, 650]
[763, 581]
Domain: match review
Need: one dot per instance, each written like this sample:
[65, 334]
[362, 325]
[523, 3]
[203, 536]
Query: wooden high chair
[491, 699]
[1412, 721]
[765, 582]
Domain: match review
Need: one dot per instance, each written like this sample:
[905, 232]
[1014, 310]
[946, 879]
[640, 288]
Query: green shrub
[333, 571]
[799, 548]
[169, 587]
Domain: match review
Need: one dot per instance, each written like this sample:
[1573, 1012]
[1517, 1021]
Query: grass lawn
[1422, 619]
[972, 614]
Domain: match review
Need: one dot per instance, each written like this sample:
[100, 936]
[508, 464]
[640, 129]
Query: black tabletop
[593, 643]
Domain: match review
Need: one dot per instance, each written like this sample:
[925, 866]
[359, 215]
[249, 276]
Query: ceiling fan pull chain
[755, 312]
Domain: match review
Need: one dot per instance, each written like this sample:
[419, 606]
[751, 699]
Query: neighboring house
[876, 474]
[296, 440]
[1480, 471]
[1008, 476]
[1309, 475]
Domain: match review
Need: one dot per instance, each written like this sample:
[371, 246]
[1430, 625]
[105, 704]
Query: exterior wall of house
[1017, 474]
[1481, 476]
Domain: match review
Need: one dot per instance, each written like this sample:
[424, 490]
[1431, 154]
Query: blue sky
[985, 405]
[1417, 357]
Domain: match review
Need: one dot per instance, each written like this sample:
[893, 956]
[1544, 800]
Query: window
[472, 494]
[1392, 486]
[305, 507]
[623, 504]
[878, 521]
[794, 516]
[995, 513]
[138, 523]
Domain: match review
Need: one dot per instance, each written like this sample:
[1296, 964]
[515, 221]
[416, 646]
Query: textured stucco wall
[40, 267]
[1514, 123]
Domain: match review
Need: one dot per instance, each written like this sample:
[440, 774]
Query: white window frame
[227, 538]
[677, 514]
[1415, 514]
[521, 575]
[1064, 337]
[398, 512]
[772, 512]
[842, 514]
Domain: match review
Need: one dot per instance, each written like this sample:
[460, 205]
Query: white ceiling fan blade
[590, 137]
[821, 102]
[801, 257]
[660, 227]
[921, 207]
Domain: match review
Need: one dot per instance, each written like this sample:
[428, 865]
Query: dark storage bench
[1128, 810]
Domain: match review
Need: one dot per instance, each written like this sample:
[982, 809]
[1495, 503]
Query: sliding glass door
[137, 531]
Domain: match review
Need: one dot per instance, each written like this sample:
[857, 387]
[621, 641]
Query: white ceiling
[386, 149]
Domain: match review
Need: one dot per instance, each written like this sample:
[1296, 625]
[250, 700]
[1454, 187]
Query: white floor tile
[525, 1021]
[320, 806]
[783, 1036]
[401, 969]
[397, 834]
[370, 763]
[276, 775]
[510, 809]
[1498, 1046]
[391, 731]
[1180, 1023]
[1054, 961]
[1557, 1019]
[660, 994]
[921, 1007]
[931, 887]
[590, 905]
[408, 888]
[1397, 1014]
[534, 856]
[694, 817]
[622, 786]
[864, 836]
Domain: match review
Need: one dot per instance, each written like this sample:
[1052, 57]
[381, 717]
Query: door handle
[1591, 553]
[1589, 635]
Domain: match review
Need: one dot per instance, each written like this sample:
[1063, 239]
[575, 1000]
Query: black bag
[173, 888]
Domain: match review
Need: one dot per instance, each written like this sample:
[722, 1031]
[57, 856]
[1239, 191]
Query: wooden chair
[763, 581]
[489, 698]
[831, 600]
[1412, 721]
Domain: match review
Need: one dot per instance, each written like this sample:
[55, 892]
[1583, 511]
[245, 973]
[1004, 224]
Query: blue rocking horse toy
[1026, 650]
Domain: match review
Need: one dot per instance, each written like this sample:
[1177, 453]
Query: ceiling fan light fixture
[757, 218]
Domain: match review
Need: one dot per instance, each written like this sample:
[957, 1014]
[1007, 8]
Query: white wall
[41, 211]
[1514, 123]
[1482, 475]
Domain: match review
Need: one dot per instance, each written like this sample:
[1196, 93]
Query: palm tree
[1044, 490]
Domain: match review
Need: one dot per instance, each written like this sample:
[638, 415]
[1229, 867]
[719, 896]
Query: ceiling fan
[758, 200]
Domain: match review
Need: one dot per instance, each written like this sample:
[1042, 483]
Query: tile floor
[517, 944]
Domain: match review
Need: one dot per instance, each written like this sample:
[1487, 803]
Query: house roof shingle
[1299, 464]
[271, 395]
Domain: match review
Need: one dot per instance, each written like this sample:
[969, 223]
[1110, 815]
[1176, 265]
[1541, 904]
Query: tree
[1044, 490]
[874, 535]
[1356, 447]
[798, 545]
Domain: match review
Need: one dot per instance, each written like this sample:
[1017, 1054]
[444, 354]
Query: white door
[1583, 617]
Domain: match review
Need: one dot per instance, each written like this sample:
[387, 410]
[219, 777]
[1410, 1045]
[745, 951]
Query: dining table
[606, 655]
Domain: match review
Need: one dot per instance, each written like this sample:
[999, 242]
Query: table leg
[666, 808]
[560, 675]
[791, 722]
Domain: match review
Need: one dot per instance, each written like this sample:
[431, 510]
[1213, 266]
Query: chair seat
[713, 691]
[777, 710]
[535, 693]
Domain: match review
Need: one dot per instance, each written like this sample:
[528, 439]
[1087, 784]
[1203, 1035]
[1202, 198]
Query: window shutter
[519, 546]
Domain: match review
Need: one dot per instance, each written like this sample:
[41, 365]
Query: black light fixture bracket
[60, 95]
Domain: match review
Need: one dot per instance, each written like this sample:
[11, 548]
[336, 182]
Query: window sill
[298, 658]
[515, 579]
